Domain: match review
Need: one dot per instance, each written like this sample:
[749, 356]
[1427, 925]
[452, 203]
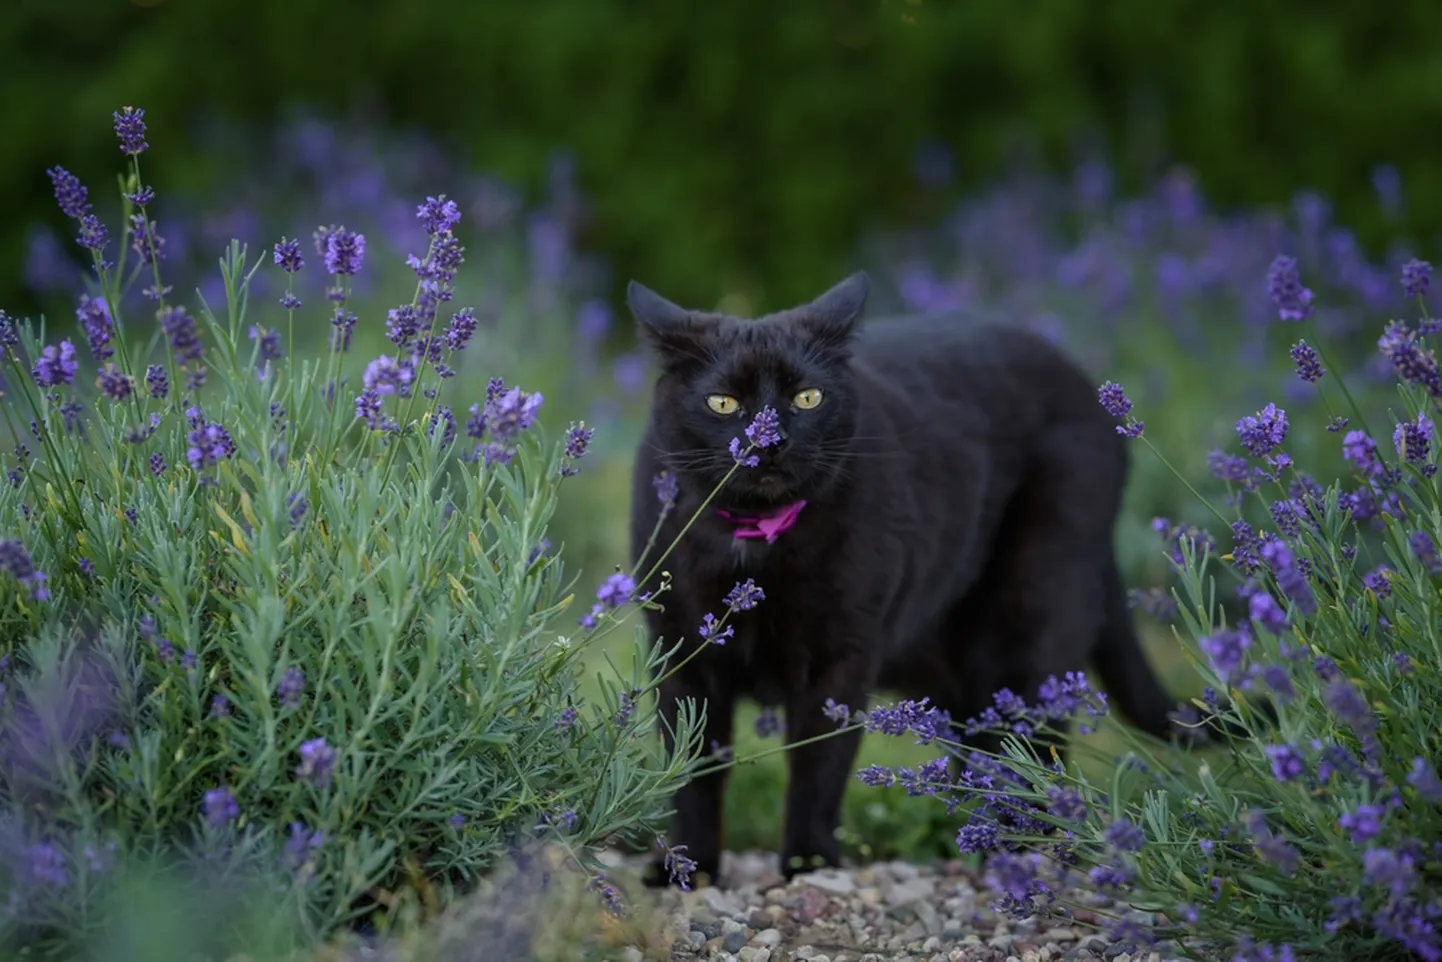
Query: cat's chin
[766, 489]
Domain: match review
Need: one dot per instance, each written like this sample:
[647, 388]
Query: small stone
[719, 902]
[697, 937]
[753, 954]
[709, 928]
[1002, 941]
[728, 926]
[870, 895]
[808, 905]
[951, 929]
[735, 941]
[1031, 955]
[829, 880]
[1059, 935]
[821, 958]
[904, 871]
[758, 919]
[1124, 957]
[909, 891]
[633, 954]
[776, 896]
[926, 915]
[804, 953]
[1121, 948]
[931, 944]
[768, 937]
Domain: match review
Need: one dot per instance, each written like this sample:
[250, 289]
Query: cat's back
[976, 363]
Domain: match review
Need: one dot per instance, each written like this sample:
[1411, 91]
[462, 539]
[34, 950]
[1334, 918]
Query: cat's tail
[1130, 683]
[1133, 687]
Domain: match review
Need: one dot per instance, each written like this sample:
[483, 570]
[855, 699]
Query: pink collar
[768, 526]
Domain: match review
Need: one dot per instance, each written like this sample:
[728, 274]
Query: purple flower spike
[130, 128]
[1284, 286]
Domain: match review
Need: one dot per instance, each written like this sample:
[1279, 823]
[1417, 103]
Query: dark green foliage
[747, 141]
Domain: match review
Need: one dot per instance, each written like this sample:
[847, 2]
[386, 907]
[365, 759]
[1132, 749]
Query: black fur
[962, 485]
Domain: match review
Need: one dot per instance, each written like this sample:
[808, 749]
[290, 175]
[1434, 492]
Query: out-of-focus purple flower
[268, 345]
[1263, 433]
[209, 443]
[144, 240]
[157, 381]
[113, 383]
[1416, 277]
[344, 251]
[1309, 368]
[1284, 286]
[385, 375]
[220, 806]
[47, 266]
[291, 687]
[1226, 650]
[317, 759]
[70, 194]
[179, 327]
[56, 365]
[511, 412]
[461, 329]
[94, 316]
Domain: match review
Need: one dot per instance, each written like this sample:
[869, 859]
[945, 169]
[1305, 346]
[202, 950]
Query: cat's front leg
[819, 771]
[698, 803]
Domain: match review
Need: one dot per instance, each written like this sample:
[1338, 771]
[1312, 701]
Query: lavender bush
[1314, 835]
[291, 630]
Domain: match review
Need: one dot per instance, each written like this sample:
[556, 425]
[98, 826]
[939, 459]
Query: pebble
[884, 912]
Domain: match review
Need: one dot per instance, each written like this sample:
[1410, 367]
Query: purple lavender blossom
[769, 724]
[15, 561]
[114, 384]
[385, 375]
[677, 865]
[1116, 403]
[156, 381]
[1411, 362]
[461, 329]
[1363, 823]
[56, 365]
[344, 251]
[268, 347]
[616, 590]
[744, 596]
[179, 327]
[1309, 368]
[287, 255]
[1425, 549]
[764, 431]
[1265, 432]
[1287, 764]
[94, 316]
[317, 759]
[46, 864]
[220, 806]
[711, 630]
[130, 128]
[667, 488]
[439, 214]
[291, 687]
[70, 194]
[1226, 650]
[210, 443]
[1413, 439]
[144, 239]
[578, 439]
[1423, 778]
[917, 717]
[1416, 277]
[1284, 287]
[510, 412]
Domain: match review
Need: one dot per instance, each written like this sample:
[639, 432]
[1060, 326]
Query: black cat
[936, 520]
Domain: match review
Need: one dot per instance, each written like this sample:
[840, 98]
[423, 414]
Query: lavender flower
[1423, 778]
[291, 687]
[70, 194]
[1261, 434]
[268, 347]
[385, 375]
[130, 128]
[56, 365]
[1309, 368]
[1287, 764]
[180, 330]
[287, 255]
[578, 439]
[711, 630]
[769, 724]
[1425, 549]
[317, 759]
[764, 431]
[113, 384]
[219, 707]
[1226, 650]
[1284, 287]
[1363, 823]
[156, 381]
[46, 864]
[439, 214]
[220, 806]
[1413, 439]
[677, 865]
[461, 329]
[739, 455]
[344, 251]
[15, 561]
[210, 443]
[744, 596]
[1116, 403]
[510, 412]
[667, 488]
[616, 590]
[94, 316]
[1416, 277]
[1412, 363]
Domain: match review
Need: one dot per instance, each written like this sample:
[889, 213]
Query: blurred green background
[1026, 158]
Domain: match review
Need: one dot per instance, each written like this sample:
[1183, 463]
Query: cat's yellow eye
[723, 403]
[807, 399]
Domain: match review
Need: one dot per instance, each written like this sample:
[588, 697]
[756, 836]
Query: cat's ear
[671, 329]
[831, 318]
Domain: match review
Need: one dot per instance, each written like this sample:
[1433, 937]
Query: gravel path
[885, 912]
